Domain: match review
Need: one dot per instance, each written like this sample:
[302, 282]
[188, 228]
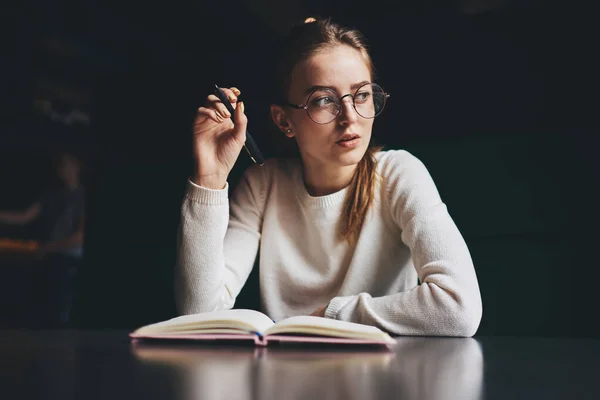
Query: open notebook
[256, 326]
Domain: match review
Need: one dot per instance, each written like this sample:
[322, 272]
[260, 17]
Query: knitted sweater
[305, 263]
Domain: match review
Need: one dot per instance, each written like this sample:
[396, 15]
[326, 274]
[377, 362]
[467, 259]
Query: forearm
[199, 280]
[12, 217]
[208, 276]
[426, 310]
[447, 303]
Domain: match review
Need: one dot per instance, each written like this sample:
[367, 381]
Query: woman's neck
[71, 185]
[322, 180]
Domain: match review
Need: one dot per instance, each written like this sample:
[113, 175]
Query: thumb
[241, 122]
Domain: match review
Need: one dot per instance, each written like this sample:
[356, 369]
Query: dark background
[496, 97]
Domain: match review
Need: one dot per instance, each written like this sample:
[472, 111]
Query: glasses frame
[305, 106]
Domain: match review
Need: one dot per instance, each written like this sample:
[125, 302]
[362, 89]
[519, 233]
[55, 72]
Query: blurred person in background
[61, 217]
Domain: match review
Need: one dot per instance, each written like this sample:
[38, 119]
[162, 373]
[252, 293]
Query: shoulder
[50, 197]
[259, 180]
[272, 169]
[404, 176]
[399, 164]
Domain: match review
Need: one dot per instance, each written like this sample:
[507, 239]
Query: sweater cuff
[336, 305]
[207, 196]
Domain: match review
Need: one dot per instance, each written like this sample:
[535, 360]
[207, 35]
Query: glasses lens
[323, 106]
[369, 100]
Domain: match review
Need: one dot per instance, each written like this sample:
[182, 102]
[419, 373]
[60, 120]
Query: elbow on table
[188, 306]
[467, 318]
[190, 302]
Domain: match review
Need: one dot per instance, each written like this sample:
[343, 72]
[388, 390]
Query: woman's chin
[351, 157]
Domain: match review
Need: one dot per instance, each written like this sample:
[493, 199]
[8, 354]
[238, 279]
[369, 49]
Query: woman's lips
[349, 143]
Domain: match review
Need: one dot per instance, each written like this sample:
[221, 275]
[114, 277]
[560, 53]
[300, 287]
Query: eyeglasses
[324, 104]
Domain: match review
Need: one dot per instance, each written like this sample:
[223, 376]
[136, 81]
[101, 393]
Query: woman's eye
[323, 101]
[362, 96]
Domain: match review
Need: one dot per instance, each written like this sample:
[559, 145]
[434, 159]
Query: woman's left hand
[320, 312]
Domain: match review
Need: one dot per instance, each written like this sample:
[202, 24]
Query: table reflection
[424, 368]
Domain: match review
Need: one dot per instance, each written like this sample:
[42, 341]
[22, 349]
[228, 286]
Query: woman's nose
[347, 111]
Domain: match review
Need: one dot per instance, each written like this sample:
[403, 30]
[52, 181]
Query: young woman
[345, 230]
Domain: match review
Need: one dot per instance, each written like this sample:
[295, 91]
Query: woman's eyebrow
[359, 84]
[320, 87]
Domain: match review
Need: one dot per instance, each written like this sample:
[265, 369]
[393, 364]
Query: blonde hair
[302, 42]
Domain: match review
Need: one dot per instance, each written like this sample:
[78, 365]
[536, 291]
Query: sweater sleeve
[217, 243]
[448, 301]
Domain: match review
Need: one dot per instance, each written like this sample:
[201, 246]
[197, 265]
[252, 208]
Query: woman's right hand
[217, 140]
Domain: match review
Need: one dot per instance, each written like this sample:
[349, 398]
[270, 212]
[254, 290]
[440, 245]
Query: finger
[231, 96]
[214, 102]
[228, 93]
[239, 127]
[235, 91]
[204, 113]
[211, 99]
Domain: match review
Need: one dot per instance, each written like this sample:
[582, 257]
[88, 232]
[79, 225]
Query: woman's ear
[280, 119]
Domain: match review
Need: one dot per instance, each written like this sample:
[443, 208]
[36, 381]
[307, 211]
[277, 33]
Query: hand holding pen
[250, 145]
[219, 135]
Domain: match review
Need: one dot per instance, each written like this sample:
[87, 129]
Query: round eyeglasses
[324, 104]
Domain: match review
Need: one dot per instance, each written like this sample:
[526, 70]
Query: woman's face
[342, 69]
[67, 168]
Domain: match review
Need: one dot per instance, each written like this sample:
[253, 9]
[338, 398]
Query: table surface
[106, 365]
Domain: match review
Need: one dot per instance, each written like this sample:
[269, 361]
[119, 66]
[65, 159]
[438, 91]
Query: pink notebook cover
[261, 340]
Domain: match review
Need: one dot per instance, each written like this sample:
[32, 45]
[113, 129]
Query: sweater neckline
[325, 201]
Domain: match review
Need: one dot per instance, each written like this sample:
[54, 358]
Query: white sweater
[305, 263]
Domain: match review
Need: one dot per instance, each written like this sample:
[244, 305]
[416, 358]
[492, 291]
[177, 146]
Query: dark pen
[250, 145]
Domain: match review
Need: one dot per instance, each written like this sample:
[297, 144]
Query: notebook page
[246, 320]
[305, 324]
